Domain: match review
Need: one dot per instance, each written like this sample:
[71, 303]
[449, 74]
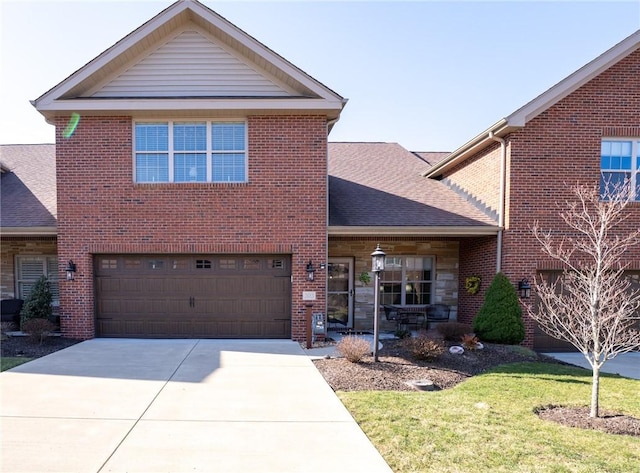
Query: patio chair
[438, 313]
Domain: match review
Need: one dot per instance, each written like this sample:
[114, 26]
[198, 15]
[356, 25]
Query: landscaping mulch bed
[24, 347]
[397, 368]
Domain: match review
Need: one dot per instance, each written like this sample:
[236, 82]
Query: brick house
[197, 189]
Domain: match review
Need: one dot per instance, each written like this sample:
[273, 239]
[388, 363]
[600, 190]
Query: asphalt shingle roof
[28, 186]
[381, 184]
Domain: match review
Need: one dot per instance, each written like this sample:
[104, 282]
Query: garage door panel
[178, 296]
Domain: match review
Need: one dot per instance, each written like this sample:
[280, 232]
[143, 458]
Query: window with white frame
[206, 151]
[31, 268]
[407, 280]
[619, 164]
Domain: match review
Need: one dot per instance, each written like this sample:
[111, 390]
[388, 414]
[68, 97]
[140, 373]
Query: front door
[340, 293]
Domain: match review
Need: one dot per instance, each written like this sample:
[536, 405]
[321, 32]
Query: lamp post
[377, 266]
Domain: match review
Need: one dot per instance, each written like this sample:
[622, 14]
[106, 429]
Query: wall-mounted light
[524, 288]
[310, 271]
[71, 270]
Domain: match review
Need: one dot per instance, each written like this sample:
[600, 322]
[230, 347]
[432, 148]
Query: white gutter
[501, 203]
[432, 231]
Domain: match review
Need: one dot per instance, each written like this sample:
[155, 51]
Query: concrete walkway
[111, 405]
[627, 364]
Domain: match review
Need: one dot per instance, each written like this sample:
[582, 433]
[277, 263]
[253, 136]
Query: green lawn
[7, 363]
[487, 424]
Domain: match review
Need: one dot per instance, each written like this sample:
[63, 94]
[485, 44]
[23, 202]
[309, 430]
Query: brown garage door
[178, 296]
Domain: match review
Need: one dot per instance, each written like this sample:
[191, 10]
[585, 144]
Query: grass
[487, 423]
[7, 363]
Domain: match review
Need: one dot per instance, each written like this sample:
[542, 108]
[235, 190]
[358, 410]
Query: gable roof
[28, 190]
[189, 59]
[377, 188]
[544, 101]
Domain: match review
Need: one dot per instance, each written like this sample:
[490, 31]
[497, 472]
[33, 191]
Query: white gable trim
[142, 39]
[532, 109]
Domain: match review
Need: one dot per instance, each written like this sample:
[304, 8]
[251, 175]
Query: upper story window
[190, 152]
[620, 163]
[407, 280]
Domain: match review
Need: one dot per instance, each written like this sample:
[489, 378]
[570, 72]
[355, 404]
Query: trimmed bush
[38, 304]
[424, 348]
[38, 329]
[353, 348]
[453, 331]
[500, 317]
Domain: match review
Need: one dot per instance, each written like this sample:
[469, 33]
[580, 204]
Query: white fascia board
[520, 117]
[28, 231]
[444, 231]
[576, 80]
[230, 106]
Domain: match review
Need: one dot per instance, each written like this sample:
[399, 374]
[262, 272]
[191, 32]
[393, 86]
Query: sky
[429, 75]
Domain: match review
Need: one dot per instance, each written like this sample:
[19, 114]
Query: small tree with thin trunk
[592, 305]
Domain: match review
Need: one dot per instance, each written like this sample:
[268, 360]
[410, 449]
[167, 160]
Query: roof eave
[479, 142]
[411, 231]
[547, 99]
[28, 231]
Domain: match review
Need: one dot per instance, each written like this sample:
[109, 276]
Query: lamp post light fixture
[70, 270]
[377, 266]
[524, 288]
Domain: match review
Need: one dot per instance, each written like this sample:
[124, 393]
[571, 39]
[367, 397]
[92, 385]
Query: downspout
[501, 204]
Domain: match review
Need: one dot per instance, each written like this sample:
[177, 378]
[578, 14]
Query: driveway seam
[137, 421]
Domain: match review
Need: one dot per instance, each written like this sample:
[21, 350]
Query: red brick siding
[477, 258]
[479, 175]
[282, 208]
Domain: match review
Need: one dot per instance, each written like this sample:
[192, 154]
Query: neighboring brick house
[586, 126]
[196, 187]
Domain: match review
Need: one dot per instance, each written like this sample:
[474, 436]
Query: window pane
[228, 136]
[190, 167]
[152, 137]
[609, 181]
[152, 167]
[229, 167]
[390, 293]
[190, 137]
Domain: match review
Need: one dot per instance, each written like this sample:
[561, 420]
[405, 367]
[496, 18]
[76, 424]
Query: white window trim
[46, 272]
[635, 161]
[209, 151]
[403, 282]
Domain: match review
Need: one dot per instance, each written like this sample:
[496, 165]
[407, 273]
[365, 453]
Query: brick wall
[445, 252]
[281, 209]
[10, 247]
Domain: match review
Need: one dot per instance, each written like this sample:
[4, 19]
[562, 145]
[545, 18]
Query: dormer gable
[189, 59]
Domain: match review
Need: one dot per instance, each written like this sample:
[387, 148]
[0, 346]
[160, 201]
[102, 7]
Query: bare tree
[592, 305]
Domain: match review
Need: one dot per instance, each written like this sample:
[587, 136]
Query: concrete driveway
[119, 405]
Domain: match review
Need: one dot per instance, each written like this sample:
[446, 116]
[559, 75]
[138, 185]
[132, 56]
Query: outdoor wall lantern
[70, 269]
[524, 288]
[310, 271]
[377, 266]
